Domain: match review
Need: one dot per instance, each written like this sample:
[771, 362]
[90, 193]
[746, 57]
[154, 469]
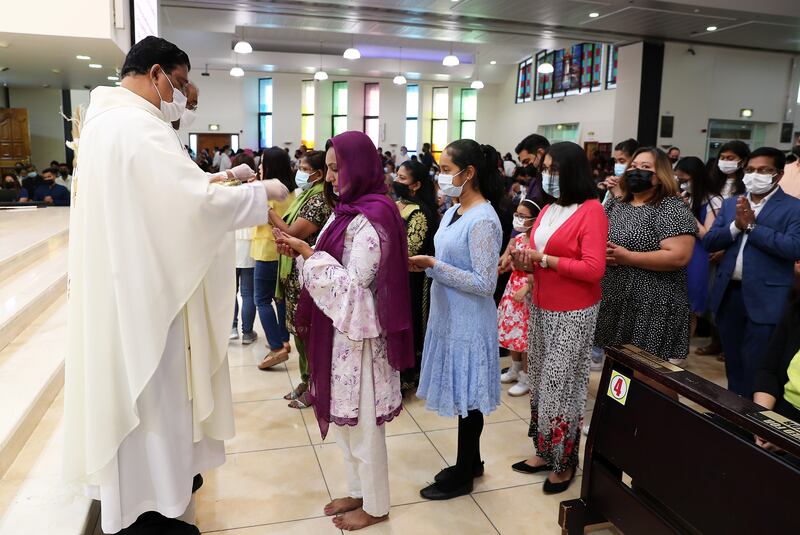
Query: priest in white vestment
[151, 274]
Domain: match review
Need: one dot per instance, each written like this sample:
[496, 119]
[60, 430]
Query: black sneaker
[249, 338]
[447, 473]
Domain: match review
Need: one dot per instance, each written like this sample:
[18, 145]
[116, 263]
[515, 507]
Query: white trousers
[364, 447]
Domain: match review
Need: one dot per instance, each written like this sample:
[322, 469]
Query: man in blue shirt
[50, 192]
[760, 234]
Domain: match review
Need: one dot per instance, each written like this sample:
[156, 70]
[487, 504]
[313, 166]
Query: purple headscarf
[362, 190]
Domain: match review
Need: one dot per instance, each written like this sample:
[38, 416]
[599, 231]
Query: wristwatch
[749, 228]
[543, 261]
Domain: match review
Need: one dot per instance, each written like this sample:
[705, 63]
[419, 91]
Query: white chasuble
[151, 284]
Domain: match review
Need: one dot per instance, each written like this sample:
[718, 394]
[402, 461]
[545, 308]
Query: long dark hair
[316, 160]
[327, 190]
[574, 173]
[425, 198]
[484, 158]
[703, 188]
[275, 163]
[740, 149]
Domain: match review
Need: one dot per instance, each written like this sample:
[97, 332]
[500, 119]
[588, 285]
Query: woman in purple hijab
[356, 296]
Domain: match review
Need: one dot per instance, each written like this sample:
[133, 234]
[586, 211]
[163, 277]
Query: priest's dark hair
[151, 51]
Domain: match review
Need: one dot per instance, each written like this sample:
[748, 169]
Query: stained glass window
[524, 81]
[339, 115]
[469, 113]
[307, 113]
[265, 113]
[613, 60]
[439, 116]
[412, 118]
[372, 99]
[576, 70]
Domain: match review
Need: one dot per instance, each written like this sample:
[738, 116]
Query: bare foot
[342, 505]
[560, 477]
[536, 461]
[357, 519]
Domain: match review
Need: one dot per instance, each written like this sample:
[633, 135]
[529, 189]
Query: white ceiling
[286, 34]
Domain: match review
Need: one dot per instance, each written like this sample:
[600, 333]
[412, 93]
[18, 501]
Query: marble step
[31, 374]
[33, 498]
[29, 235]
[30, 290]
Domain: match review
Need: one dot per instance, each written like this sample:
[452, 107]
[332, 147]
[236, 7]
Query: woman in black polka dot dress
[650, 239]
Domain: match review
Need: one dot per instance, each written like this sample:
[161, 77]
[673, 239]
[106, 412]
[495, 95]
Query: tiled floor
[279, 474]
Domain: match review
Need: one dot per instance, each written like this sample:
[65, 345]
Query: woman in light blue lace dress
[460, 367]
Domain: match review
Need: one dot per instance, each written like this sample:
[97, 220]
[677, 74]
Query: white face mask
[686, 187]
[520, 224]
[188, 118]
[172, 110]
[619, 169]
[447, 187]
[727, 166]
[550, 185]
[758, 183]
[301, 177]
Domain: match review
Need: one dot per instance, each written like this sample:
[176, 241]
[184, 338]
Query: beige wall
[44, 121]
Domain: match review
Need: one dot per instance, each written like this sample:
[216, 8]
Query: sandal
[273, 358]
[303, 401]
[297, 392]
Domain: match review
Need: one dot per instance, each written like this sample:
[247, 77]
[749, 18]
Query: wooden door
[15, 138]
[209, 141]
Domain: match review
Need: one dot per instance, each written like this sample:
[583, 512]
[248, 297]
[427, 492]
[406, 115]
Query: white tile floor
[279, 474]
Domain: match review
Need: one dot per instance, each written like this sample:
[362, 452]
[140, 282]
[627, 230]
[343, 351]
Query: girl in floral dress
[514, 308]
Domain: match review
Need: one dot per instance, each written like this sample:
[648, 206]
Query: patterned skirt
[559, 351]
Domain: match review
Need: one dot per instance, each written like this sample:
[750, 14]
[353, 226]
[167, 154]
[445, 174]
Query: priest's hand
[242, 172]
[290, 246]
[276, 191]
[420, 263]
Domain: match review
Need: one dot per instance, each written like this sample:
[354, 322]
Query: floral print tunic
[345, 292]
[512, 317]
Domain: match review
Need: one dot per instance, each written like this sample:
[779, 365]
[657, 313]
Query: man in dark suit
[760, 234]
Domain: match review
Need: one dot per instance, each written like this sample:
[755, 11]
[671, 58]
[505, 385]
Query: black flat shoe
[439, 491]
[524, 468]
[555, 488]
[447, 473]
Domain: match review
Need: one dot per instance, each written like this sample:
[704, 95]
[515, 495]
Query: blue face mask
[550, 185]
[301, 177]
[619, 169]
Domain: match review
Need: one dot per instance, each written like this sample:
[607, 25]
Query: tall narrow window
[339, 118]
[412, 118]
[469, 113]
[611, 73]
[441, 105]
[265, 113]
[524, 81]
[372, 100]
[307, 114]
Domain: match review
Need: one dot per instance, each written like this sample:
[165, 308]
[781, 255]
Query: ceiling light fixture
[477, 83]
[545, 68]
[493, 62]
[95, 66]
[56, 71]
[450, 60]
[320, 75]
[594, 15]
[117, 83]
[352, 52]
[113, 78]
[242, 46]
[400, 79]
[237, 72]
[711, 29]
[82, 57]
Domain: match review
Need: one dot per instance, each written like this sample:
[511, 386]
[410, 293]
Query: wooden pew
[656, 466]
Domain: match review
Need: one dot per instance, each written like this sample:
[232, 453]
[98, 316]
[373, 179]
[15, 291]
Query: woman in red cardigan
[567, 255]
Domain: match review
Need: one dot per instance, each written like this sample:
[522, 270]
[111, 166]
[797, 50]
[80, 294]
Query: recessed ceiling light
[95, 66]
[711, 29]
[82, 57]
[493, 62]
[113, 78]
[117, 83]
[55, 71]
[594, 15]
